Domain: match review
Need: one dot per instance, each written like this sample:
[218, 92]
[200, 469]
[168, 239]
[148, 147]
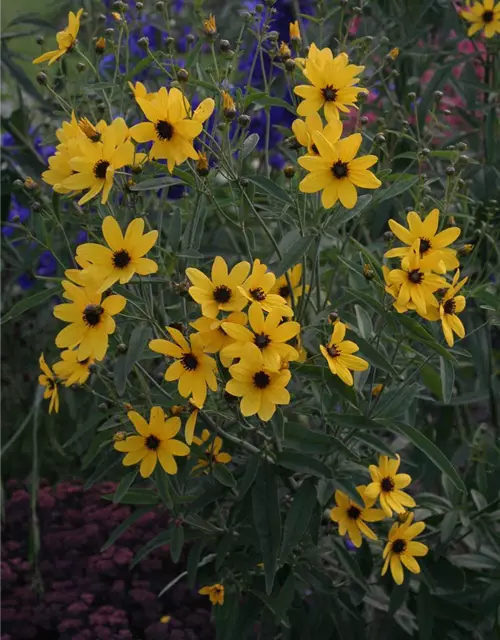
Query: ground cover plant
[250, 260]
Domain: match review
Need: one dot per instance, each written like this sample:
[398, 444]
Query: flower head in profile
[48, 380]
[71, 370]
[215, 338]
[210, 26]
[401, 550]
[432, 243]
[90, 320]
[282, 288]
[259, 388]
[257, 288]
[386, 485]
[304, 130]
[66, 39]
[333, 85]
[336, 171]
[154, 442]
[266, 334]
[483, 15]
[338, 353]
[213, 453]
[190, 425]
[124, 255]
[352, 517]
[60, 166]
[192, 367]
[295, 31]
[449, 306]
[215, 592]
[221, 292]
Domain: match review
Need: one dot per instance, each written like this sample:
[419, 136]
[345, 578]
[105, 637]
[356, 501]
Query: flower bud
[243, 182]
[379, 138]
[393, 53]
[120, 436]
[259, 8]
[368, 272]
[333, 317]
[295, 31]
[159, 6]
[388, 236]
[357, 10]
[244, 120]
[101, 17]
[210, 27]
[122, 348]
[80, 67]
[289, 171]
[18, 184]
[247, 17]
[137, 169]
[139, 6]
[290, 65]
[42, 78]
[40, 40]
[384, 40]
[465, 250]
[377, 389]
[36, 206]
[228, 106]
[102, 406]
[285, 51]
[182, 75]
[462, 146]
[450, 171]
[109, 32]
[100, 45]
[143, 43]
[364, 120]
[181, 288]
[30, 184]
[438, 95]
[190, 38]
[176, 409]
[118, 5]
[224, 45]
[202, 168]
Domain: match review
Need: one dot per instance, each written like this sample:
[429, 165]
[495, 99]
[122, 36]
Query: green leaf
[28, 303]
[398, 597]
[300, 438]
[135, 496]
[162, 482]
[124, 363]
[424, 336]
[193, 560]
[425, 616]
[223, 549]
[354, 421]
[293, 255]
[304, 464]
[394, 403]
[447, 379]
[431, 451]
[140, 66]
[343, 215]
[374, 357]
[159, 540]
[249, 145]
[267, 520]
[222, 474]
[271, 188]
[402, 184]
[175, 229]
[177, 542]
[121, 528]
[125, 484]
[364, 321]
[298, 517]
[283, 599]
[156, 183]
[267, 100]
[248, 477]
[365, 297]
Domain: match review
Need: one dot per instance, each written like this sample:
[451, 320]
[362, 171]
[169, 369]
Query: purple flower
[17, 214]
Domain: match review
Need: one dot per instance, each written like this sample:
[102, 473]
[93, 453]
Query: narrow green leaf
[298, 517]
[162, 482]
[222, 474]
[124, 363]
[175, 229]
[364, 321]
[300, 438]
[155, 183]
[398, 597]
[293, 255]
[223, 549]
[343, 215]
[248, 477]
[135, 496]
[28, 303]
[284, 598]
[121, 528]
[249, 145]
[377, 306]
[159, 540]
[425, 614]
[125, 484]
[193, 561]
[420, 332]
[402, 184]
[177, 542]
[447, 379]
[375, 357]
[304, 464]
[271, 188]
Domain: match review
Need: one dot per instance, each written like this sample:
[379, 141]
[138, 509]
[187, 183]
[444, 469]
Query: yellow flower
[450, 305]
[60, 167]
[96, 163]
[338, 353]
[259, 388]
[304, 129]
[300, 350]
[319, 56]
[228, 102]
[402, 549]
[210, 26]
[72, 370]
[88, 129]
[483, 15]
[66, 39]
[214, 336]
[431, 242]
[267, 335]
[91, 320]
[336, 171]
[393, 290]
[140, 91]
[192, 367]
[117, 16]
[48, 380]
[352, 517]
[285, 51]
[190, 425]
[416, 282]
[202, 166]
[295, 31]
[215, 592]
[165, 619]
[387, 484]
[282, 288]
[154, 442]
[333, 86]
[124, 257]
[377, 390]
[222, 292]
[394, 53]
[212, 452]
[170, 126]
[100, 45]
[257, 288]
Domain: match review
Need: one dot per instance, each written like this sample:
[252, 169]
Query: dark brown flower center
[399, 546]
[189, 362]
[100, 169]
[152, 443]
[284, 291]
[449, 306]
[387, 485]
[332, 351]
[261, 340]
[353, 512]
[488, 16]
[339, 169]
[121, 258]
[261, 380]
[329, 93]
[222, 294]
[92, 314]
[164, 130]
[415, 276]
[425, 245]
[257, 294]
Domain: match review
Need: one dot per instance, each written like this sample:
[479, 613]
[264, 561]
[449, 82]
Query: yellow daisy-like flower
[221, 293]
[304, 130]
[171, 127]
[228, 102]
[352, 517]
[48, 380]
[431, 242]
[386, 485]
[259, 388]
[267, 335]
[190, 425]
[72, 370]
[60, 166]
[125, 255]
[295, 31]
[192, 367]
[140, 91]
[401, 549]
[333, 86]
[214, 336]
[282, 288]
[394, 53]
[213, 453]
[154, 442]
[450, 305]
[97, 162]
[416, 282]
[66, 39]
[215, 592]
[338, 353]
[91, 320]
[483, 15]
[319, 56]
[336, 171]
[257, 288]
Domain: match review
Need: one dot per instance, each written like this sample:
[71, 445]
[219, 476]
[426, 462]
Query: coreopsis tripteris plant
[387, 485]
[401, 549]
[213, 454]
[352, 517]
[215, 338]
[258, 288]
[48, 380]
[304, 130]
[339, 355]
[449, 306]
[66, 39]
[71, 370]
[483, 15]
[154, 442]
[125, 255]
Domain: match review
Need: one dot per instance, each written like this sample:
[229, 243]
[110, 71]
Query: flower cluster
[483, 15]
[386, 486]
[425, 257]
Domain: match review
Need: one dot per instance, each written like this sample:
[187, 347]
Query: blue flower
[17, 214]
